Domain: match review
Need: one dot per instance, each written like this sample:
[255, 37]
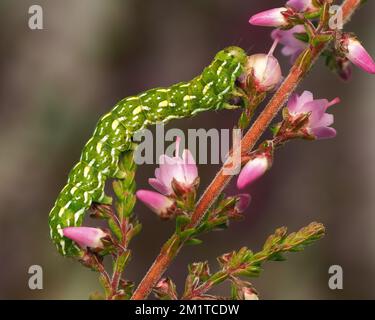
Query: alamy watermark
[36, 279]
[207, 146]
[336, 280]
[35, 17]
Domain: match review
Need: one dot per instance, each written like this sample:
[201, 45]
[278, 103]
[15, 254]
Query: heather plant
[306, 30]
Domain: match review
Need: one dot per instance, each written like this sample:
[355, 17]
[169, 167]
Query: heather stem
[296, 75]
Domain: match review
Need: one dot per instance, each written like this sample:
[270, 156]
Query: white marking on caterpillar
[78, 214]
[99, 147]
[61, 212]
[62, 244]
[86, 196]
[68, 204]
[220, 69]
[237, 68]
[115, 124]
[185, 85]
[225, 91]
[163, 104]
[86, 171]
[188, 98]
[207, 87]
[59, 230]
[163, 90]
[137, 110]
[133, 98]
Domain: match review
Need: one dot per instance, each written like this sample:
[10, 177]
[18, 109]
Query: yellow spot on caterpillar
[185, 85]
[106, 116]
[188, 98]
[62, 244]
[131, 98]
[220, 69]
[86, 170]
[163, 90]
[164, 104]
[77, 215]
[115, 124]
[207, 87]
[99, 147]
[137, 110]
[74, 189]
[61, 212]
[59, 230]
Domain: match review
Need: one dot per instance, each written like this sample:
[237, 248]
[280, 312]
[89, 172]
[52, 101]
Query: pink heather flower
[319, 121]
[86, 236]
[270, 18]
[182, 169]
[253, 170]
[292, 46]
[265, 70]
[301, 5]
[358, 55]
[157, 202]
[243, 202]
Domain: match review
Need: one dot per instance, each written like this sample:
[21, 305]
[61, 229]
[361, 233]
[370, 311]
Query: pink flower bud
[301, 5]
[270, 18]
[265, 70]
[358, 55]
[254, 169]
[157, 202]
[86, 236]
[243, 202]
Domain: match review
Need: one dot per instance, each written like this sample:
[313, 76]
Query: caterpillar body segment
[211, 90]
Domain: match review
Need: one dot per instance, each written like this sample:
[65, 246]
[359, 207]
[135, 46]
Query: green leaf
[115, 229]
[302, 36]
[193, 241]
[181, 222]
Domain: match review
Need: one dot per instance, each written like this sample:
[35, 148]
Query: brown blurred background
[56, 82]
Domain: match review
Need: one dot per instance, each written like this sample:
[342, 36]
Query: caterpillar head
[234, 54]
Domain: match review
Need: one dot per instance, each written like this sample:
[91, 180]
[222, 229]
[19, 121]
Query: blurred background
[55, 83]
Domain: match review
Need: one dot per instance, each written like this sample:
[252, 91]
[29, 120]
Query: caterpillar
[212, 90]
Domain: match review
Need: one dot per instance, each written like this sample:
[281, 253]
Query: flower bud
[160, 204]
[165, 289]
[265, 70]
[357, 54]
[86, 236]
[270, 18]
[253, 170]
[301, 5]
[243, 202]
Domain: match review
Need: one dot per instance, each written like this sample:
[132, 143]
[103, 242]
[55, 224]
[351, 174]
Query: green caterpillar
[212, 90]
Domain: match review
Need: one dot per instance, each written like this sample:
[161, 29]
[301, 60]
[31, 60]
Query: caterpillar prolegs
[212, 90]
